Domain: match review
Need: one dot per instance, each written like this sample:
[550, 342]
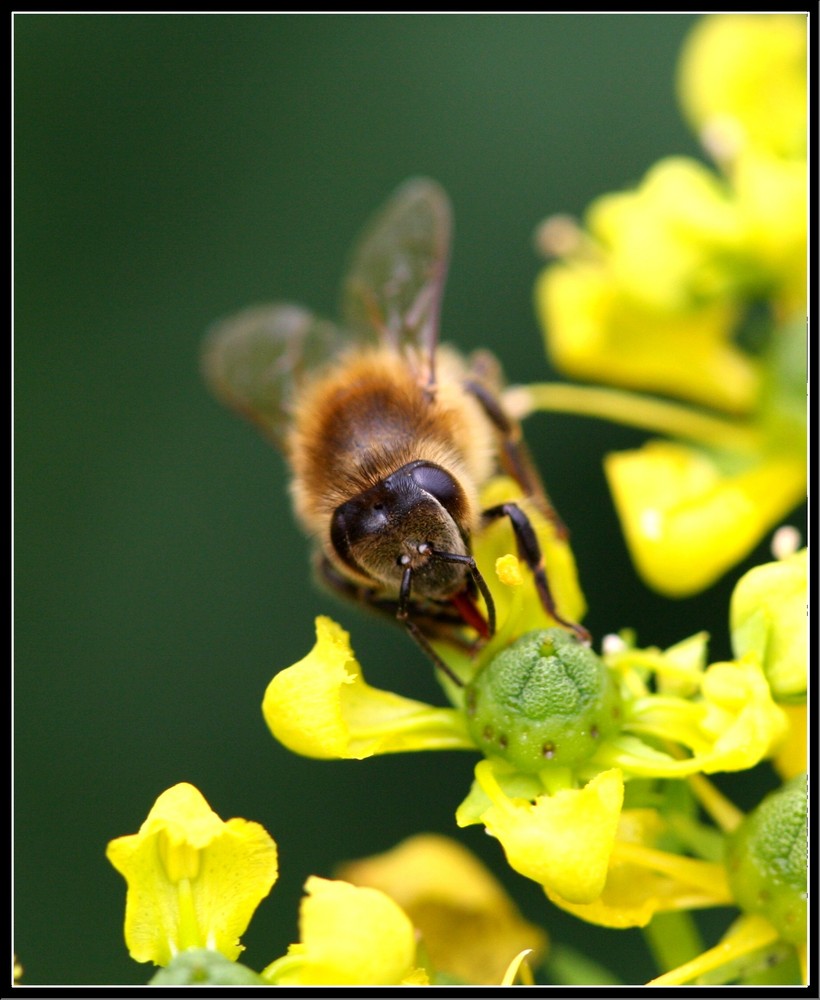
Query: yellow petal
[685, 522]
[743, 77]
[349, 936]
[493, 547]
[470, 928]
[193, 880]
[594, 330]
[322, 707]
[790, 759]
[769, 616]
[643, 881]
[563, 841]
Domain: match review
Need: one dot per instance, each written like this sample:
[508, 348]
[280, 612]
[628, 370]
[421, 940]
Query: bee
[388, 434]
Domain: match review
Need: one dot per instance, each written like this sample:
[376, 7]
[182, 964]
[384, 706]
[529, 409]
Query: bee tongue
[466, 607]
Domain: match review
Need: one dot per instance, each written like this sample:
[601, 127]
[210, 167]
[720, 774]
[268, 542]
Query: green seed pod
[766, 860]
[546, 699]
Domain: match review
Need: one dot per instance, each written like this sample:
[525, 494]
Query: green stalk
[633, 410]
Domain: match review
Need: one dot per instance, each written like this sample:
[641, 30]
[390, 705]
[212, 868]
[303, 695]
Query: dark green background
[169, 170]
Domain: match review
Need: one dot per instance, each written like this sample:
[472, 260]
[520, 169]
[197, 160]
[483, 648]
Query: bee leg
[529, 550]
[479, 580]
[403, 615]
[515, 456]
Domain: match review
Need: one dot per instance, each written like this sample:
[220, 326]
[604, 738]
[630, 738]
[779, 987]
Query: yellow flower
[643, 880]
[323, 707]
[349, 936]
[693, 285]
[469, 926]
[742, 82]
[790, 758]
[686, 521]
[732, 725]
[772, 203]
[595, 331]
[768, 616]
[562, 841]
[194, 881]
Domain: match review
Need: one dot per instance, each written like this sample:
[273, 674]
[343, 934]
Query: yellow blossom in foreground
[194, 881]
[469, 927]
[323, 707]
[686, 521]
[562, 841]
[349, 936]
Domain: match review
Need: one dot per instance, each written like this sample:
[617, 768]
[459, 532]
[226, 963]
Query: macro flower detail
[349, 936]
[194, 881]
[546, 700]
[470, 929]
[562, 841]
[642, 879]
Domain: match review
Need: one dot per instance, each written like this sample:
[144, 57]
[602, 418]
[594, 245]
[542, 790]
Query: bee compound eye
[439, 484]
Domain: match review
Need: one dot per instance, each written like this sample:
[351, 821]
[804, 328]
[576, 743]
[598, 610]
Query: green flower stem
[723, 812]
[673, 939]
[283, 965]
[634, 410]
[747, 936]
[703, 876]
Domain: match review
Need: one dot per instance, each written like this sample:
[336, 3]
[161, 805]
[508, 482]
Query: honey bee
[389, 435]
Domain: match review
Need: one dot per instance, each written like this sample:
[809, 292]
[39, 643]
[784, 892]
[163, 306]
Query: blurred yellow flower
[686, 521]
[693, 285]
[349, 936]
[742, 82]
[790, 759]
[194, 881]
[470, 928]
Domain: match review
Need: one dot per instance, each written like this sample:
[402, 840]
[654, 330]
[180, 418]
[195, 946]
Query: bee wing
[393, 289]
[253, 360]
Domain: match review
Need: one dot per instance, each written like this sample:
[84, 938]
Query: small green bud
[546, 699]
[202, 967]
[766, 860]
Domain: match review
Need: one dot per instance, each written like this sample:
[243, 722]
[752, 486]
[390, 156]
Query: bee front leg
[403, 615]
[397, 610]
[529, 550]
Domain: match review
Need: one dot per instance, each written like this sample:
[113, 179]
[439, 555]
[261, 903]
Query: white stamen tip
[785, 541]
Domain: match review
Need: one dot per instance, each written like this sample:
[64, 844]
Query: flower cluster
[194, 882]
[692, 286]
[593, 765]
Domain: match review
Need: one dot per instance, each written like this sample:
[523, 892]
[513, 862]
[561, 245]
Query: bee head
[404, 520]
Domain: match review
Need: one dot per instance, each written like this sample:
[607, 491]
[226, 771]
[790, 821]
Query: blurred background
[170, 169]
